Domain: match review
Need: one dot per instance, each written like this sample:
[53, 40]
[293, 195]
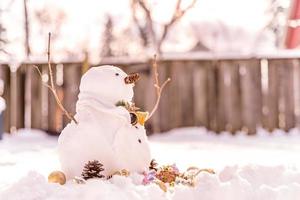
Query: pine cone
[167, 174]
[92, 169]
[153, 165]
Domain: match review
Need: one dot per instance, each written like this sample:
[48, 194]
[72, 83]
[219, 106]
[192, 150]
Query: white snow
[2, 103]
[265, 166]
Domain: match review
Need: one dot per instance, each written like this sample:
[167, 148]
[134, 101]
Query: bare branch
[157, 39]
[178, 13]
[52, 86]
[159, 88]
[49, 63]
[58, 101]
[142, 30]
[149, 19]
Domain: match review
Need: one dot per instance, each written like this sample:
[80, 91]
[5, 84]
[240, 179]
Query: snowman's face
[107, 83]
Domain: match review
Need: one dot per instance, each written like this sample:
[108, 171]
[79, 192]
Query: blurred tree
[50, 19]
[3, 39]
[151, 37]
[26, 29]
[107, 38]
[278, 12]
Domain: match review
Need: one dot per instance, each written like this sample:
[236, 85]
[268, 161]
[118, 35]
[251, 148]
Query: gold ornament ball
[57, 177]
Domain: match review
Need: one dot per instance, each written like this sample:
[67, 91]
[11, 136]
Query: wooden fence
[220, 93]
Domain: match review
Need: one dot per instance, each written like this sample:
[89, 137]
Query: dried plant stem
[159, 88]
[52, 86]
[49, 63]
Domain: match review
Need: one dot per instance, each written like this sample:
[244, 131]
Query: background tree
[150, 36]
[107, 38]
[50, 20]
[3, 38]
[278, 13]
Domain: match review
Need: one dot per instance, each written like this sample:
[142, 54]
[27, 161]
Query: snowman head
[108, 84]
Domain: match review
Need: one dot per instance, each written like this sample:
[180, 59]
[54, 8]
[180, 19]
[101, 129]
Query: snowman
[104, 131]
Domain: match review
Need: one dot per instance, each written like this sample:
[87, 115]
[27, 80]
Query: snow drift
[248, 168]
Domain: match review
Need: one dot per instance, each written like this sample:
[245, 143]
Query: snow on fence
[222, 93]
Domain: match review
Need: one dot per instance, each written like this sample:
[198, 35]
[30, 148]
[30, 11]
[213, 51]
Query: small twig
[52, 86]
[159, 88]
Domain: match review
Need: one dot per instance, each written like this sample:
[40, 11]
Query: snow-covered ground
[266, 166]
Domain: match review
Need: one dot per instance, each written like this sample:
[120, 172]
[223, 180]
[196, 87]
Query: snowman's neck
[85, 99]
[89, 102]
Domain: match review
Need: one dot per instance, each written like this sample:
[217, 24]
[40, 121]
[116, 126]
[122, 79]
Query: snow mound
[264, 167]
[35, 186]
[239, 183]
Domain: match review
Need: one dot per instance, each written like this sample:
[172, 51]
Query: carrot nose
[132, 78]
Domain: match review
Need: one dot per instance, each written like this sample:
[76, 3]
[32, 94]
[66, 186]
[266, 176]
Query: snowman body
[104, 131]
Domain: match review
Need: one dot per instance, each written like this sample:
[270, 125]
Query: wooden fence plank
[181, 97]
[232, 96]
[185, 92]
[221, 123]
[296, 77]
[212, 94]
[286, 105]
[200, 93]
[271, 113]
[36, 99]
[17, 83]
[251, 100]
[161, 121]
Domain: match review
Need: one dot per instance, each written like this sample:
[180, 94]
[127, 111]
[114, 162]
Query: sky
[84, 21]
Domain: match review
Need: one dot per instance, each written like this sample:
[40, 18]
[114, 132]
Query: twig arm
[158, 98]
[159, 88]
[49, 63]
[51, 87]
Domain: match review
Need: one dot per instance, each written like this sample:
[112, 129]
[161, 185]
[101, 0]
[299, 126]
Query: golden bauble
[57, 177]
[142, 117]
